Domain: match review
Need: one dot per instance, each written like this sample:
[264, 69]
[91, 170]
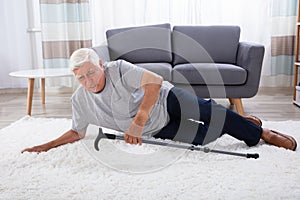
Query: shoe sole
[289, 138]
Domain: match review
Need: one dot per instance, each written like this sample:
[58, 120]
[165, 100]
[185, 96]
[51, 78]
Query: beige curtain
[66, 26]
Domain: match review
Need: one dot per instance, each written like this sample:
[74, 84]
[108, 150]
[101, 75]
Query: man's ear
[100, 63]
[75, 71]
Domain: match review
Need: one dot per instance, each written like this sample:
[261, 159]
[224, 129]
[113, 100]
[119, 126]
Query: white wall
[15, 51]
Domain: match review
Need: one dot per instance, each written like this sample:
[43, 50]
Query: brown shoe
[254, 120]
[278, 139]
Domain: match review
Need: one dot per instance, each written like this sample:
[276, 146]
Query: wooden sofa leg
[238, 104]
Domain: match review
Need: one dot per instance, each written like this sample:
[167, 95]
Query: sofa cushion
[163, 69]
[102, 52]
[141, 44]
[209, 74]
[204, 44]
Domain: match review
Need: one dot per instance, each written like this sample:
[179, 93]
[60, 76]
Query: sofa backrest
[200, 44]
[140, 44]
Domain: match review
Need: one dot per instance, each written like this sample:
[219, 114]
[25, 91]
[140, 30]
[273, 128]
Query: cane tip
[253, 155]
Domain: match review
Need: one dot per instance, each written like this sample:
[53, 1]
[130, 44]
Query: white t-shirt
[117, 104]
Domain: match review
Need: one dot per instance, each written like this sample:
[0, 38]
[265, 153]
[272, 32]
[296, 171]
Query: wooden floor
[273, 104]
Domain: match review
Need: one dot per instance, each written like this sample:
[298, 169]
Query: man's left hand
[133, 135]
[132, 140]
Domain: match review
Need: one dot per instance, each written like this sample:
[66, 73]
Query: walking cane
[102, 135]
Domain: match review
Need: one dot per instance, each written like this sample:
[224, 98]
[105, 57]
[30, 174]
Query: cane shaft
[189, 147]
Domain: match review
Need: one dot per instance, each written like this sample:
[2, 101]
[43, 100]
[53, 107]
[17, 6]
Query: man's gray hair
[83, 55]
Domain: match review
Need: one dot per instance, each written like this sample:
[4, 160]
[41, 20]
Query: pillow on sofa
[205, 44]
[141, 44]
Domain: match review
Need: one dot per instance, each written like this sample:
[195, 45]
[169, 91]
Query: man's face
[91, 77]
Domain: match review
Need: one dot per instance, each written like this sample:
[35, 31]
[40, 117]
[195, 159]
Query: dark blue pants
[216, 120]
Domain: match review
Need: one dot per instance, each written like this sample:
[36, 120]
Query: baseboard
[60, 90]
[13, 90]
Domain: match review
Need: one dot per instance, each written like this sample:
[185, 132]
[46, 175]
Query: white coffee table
[42, 74]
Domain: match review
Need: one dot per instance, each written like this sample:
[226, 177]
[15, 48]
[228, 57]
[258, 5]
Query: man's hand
[133, 135]
[151, 84]
[38, 149]
[68, 137]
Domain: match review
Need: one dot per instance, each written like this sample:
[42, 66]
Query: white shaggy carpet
[121, 171]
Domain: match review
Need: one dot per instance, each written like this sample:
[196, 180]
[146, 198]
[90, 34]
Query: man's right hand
[68, 137]
[38, 149]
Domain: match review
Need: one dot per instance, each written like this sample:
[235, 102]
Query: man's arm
[68, 137]
[151, 84]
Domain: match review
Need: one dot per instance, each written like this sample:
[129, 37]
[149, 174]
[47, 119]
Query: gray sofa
[209, 61]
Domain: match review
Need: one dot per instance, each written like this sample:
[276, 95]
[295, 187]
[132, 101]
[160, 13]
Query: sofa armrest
[102, 52]
[250, 57]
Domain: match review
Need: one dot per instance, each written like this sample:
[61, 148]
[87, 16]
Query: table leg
[29, 95]
[43, 90]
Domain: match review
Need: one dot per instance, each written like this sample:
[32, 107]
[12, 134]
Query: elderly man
[126, 98]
